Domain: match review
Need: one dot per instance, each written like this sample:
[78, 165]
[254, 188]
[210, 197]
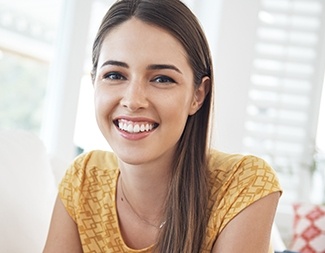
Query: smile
[135, 127]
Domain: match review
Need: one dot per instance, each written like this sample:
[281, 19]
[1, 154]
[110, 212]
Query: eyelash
[113, 76]
[117, 76]
[163, 79]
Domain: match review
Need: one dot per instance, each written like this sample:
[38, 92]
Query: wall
[232, 58]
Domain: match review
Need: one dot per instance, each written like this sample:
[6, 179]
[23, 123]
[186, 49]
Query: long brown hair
[186, 204]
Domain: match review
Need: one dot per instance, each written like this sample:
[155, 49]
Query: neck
[155, 223]
[145, 188]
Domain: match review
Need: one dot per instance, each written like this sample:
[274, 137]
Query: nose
[135, 97]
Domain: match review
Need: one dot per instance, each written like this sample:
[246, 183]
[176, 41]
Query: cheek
[177, 110]
[103, 103]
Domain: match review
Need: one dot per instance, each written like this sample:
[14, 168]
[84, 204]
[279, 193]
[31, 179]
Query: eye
[113, 76]
[163, 79]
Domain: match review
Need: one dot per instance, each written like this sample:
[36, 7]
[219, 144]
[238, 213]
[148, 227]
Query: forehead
[137, 38]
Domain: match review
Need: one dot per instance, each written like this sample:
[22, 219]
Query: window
[285, 92]
[27, 33]
[23, 82]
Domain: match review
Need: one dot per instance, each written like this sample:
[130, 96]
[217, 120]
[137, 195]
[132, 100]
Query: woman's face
[144, 92]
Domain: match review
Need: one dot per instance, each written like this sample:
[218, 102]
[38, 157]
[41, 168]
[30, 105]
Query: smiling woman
[162, 189]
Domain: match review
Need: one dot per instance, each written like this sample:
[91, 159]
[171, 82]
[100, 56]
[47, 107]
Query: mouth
[134, 127]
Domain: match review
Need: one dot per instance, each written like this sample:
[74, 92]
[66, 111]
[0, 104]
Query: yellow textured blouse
[88, 192]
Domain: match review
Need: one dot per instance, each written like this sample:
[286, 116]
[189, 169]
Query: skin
[134, 84]
[144, 77]
[250, 230]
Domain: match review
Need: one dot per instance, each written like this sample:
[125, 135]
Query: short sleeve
[237, 183]
[71, 185]
[251, 181]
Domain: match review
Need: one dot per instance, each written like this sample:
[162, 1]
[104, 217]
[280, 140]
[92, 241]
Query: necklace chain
[135, 212]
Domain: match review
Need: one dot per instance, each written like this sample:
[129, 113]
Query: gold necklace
[135, 212]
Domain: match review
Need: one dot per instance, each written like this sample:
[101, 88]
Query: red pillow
[308, 228]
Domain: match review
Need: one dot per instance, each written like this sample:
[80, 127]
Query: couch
[27, 192]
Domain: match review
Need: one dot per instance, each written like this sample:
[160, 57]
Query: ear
[200, 94]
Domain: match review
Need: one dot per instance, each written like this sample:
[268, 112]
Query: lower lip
[133, 136]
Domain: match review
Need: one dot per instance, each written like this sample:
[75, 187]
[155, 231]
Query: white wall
[233, 60]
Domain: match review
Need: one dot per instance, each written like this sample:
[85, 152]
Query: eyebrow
[115, 63]
[150, 67]
[163, 66]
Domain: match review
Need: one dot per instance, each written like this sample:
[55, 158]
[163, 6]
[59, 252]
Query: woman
[163, 189]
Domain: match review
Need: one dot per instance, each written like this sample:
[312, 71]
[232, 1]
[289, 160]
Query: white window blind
[286, 82]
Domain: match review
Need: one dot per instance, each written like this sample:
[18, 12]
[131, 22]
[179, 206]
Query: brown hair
[186, 204]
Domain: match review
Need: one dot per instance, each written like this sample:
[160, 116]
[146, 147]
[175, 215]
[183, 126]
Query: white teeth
[120, 125]
[130, 128]
[135, 128]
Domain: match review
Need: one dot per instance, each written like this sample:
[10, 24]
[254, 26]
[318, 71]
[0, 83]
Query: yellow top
[88, 191]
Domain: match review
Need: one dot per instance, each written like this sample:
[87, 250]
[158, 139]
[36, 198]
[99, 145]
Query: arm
[63, 235]
[250, 230]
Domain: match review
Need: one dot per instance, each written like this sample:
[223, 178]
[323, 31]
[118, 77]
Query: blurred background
[269, 61]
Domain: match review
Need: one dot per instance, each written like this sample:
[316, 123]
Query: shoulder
[241, 173]
[88, 169]
[223, 166]
[97, 160]
[89, 176]
[223, 160]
